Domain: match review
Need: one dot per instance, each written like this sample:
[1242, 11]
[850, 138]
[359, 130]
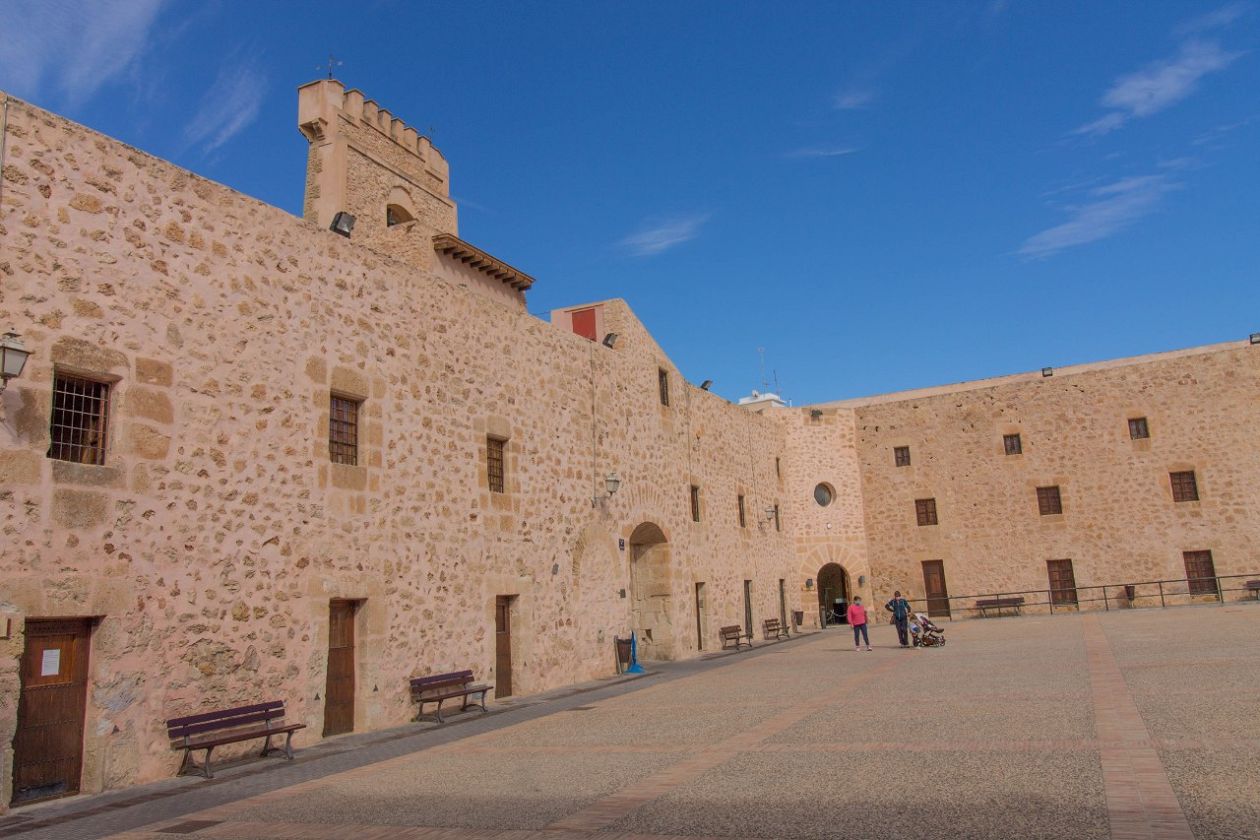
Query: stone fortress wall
[208, 547]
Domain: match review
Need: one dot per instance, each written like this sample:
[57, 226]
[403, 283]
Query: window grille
[1184, 486]
[80, 409]
[662, 376]
[695, 503]
[494, 465]
[1200, 572]
[1138, 428]
[901, 456]
[343, 431]
[1012, 444]
[925, 511]
[742, 521]
[1049, 501]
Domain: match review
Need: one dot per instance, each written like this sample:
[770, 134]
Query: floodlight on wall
[610, 340]
[612, 484]
[13, 355]
[342, 223]
[1047, 371]
[1255, 338]
[706, 384]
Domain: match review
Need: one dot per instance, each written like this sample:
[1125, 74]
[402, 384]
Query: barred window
[925, 511]
[80, 410]
[662, 376]
[1012, 444]
[343, 430]
[1184, 487]
[494, 465]
[1049, 501]
[1200, 572]
[1138, 428]
[743, 523]
[695, 503]
[901, 456]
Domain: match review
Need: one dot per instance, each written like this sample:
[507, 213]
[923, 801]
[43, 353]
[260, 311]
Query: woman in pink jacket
[857, 619]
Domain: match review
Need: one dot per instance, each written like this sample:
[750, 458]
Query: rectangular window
[662, 376]
[584, 323]
[925, 511]
[778, 468]
[778, 526]
[343, 430]
[1012, 444]
[1062, 581]
[1184, 487]
[1049, 502]
[742, 521]
[695, 503]
[494, 465]
[1138, 428]
[901, 456]
[80, 409]
[1200, 572]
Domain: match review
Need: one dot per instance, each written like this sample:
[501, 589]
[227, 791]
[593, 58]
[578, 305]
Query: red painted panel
[584, 323]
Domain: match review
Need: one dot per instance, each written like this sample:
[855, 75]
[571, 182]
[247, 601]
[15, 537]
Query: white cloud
[73, 47]
[852, 98]
[1110, 209]
[662, 236]
[1158, 85]
[231, 104]
[821, 152]
[1218, 19]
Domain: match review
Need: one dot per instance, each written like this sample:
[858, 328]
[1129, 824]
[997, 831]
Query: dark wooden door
[48, 744]
[1062, 581]
[935, 589]
[339, 696]
[503, 646]
[748, 628]
[700, 615]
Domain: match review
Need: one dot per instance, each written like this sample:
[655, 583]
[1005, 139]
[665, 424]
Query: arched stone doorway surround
[651, 591]
[833, 588]
[855, 576]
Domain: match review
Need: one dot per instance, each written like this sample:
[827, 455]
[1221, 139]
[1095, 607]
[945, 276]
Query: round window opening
[823, 494]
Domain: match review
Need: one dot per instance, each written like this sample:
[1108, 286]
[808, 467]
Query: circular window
[823, 494]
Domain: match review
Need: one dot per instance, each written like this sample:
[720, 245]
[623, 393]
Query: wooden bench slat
[227, 713]
[244, 735]
[228, 723]
[229, 726]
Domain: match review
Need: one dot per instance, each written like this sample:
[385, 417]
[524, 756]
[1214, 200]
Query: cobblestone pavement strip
[1025, 727]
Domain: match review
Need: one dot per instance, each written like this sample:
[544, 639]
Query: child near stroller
[925, 633]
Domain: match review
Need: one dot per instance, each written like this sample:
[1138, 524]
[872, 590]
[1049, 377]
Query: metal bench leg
[267, 747]
[439, 712]
[288, 746]
[183, 765]
[206, 769]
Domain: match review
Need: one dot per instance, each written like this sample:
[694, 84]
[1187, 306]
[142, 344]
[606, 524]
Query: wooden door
[748, 627]
[503, 646]
[783, 622]
[700, 615]
[1062, 582]
[339, 695]
[48, 744]
[934, 588]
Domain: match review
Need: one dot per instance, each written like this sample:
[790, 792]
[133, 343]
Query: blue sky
[881, 195]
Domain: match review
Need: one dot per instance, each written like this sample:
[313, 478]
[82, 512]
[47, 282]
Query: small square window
[695, 503]
[1049, 502]
[925, 511]
[1184, 486]
[662, 377]
[495, 471]
[743, 523]
[1012, 444]
[1138, 429]
[901, 456]
[80, 409]
[343, 430]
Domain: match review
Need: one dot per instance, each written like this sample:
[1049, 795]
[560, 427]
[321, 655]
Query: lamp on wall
[706, 384]
[809, 583]
[1255, 338]
[610, 340]
[342, 223]
[770, 514]
[1049, 371]
[13, 355]
[612, 484]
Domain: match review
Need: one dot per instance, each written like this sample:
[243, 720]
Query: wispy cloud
[852, 98]
[69, 47]
[1109, 209]
[656, 237]
[1218, 19]
[232, 103]
[821, 152]
[1158, 85]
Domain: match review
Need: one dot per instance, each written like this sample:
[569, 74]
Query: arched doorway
[833, 594]
[651, 585]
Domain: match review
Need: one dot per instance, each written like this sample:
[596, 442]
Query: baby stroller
[925, 633]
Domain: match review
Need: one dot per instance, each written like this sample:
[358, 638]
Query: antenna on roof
[765, 385]
[333, 62]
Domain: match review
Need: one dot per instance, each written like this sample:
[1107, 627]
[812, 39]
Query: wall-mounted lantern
[612, 484]
[13, 355]
[809, 583]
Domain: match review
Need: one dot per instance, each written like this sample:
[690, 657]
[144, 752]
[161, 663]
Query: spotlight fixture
[342, 223]
[610, 340]
[1047, 371]
[708, 383]
[1255, 338]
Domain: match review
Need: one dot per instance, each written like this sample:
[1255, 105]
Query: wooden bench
[774, 629]
[438, 688]
[998, 604]
[1253, 586]
[735, 633]
[228, 726]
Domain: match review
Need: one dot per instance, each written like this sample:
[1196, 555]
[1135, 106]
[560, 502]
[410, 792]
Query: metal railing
[1111, 596]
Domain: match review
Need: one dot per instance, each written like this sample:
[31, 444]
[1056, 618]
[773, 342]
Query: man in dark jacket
[900, 609]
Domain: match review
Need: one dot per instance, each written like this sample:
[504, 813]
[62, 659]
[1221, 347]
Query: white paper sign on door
[51, 664]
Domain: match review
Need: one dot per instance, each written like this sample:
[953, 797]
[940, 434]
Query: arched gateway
[651, 582]
[833, 593]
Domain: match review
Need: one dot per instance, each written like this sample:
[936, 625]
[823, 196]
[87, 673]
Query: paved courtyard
[1132, 724]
